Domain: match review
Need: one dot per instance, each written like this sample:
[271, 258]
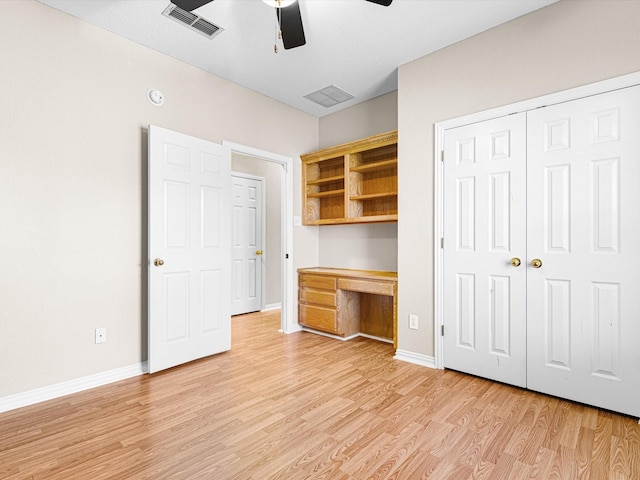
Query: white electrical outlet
[413, 322]
[101, 335]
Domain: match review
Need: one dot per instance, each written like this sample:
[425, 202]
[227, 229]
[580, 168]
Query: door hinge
[442, 155]
[441, 242]
[442, 330]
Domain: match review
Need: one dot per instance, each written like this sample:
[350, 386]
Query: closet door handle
[515, 261]
[536, 263]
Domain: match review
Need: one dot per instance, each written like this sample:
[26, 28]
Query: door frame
[288, 322]
[263, 234]
[596, 88]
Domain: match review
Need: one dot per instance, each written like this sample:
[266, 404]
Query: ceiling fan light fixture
[279, 3]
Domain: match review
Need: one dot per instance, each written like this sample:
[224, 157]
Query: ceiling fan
[288, 16]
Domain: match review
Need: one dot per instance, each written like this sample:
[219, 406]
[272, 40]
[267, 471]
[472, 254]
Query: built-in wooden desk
[347, 302]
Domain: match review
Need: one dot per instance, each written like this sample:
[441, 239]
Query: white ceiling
[353, 44]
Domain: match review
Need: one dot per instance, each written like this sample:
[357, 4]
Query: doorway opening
[285, 164]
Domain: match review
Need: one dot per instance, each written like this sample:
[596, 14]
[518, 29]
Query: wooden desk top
[348, 272]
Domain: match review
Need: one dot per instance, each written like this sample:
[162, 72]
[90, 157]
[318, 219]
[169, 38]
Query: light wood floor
[303, 406]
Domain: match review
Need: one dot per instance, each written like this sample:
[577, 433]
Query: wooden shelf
[375, 167]
[373, 196]
[366, 170]
[321, 181]
[363, 219]
[329, 193]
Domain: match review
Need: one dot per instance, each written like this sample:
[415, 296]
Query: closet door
[484, 240]
[583, 225]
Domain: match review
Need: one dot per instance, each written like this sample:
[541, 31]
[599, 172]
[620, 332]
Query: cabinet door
[319, 318]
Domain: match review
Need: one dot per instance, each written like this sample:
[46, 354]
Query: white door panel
[485, 211]
[189, 225]
[247, 248]
[584, 301]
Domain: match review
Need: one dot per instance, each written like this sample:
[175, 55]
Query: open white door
[246, 243]
[189, 248]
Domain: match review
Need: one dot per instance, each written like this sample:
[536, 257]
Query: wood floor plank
[307, 407]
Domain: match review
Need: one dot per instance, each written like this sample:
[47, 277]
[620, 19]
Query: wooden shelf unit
[355, 182]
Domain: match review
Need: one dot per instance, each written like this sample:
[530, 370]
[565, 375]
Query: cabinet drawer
[366, 286]
[320, 318]
[320, 297]
[322, 282]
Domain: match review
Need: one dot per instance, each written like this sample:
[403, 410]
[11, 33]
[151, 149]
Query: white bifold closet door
[583, 223]
[578, 333]
[484, 228]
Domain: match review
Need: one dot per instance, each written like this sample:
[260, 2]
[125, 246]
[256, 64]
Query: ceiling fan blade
[386, 3]
[190, 5]
[291, 26]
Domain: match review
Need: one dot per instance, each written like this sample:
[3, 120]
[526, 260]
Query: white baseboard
[344, 339]
[297, 328]
[271, 306]
[324, 334]
[417, 358]
[30, 397]
[373, 337]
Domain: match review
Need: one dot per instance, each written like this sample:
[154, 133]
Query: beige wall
[565, 45]
[272, 174]
[368, 118]
[367, 246]
[72, 117]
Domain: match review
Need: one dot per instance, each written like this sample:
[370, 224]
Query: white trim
[350, 337]
[373, 337]
[416, 358]
[597, 88]
[324, 334]
[288, 322]
[76, 385]
[263, 233]
[272, 306]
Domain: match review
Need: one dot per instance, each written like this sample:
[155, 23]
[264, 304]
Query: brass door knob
[258, 252]
[515, 261]
[158, 262]
[536, 263]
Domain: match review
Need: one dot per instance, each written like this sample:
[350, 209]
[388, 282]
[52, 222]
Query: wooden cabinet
[348, 302]
[323, 307]
[352, 183]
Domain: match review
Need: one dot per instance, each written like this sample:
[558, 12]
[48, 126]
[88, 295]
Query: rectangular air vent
[329, 96]
[192, 21]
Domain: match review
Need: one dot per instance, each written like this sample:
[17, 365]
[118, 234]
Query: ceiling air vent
[329, 96]
[192, 21]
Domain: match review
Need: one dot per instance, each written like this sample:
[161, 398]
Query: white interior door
[484, 229]
[246, 245]
[583, 225]
[189, 248]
